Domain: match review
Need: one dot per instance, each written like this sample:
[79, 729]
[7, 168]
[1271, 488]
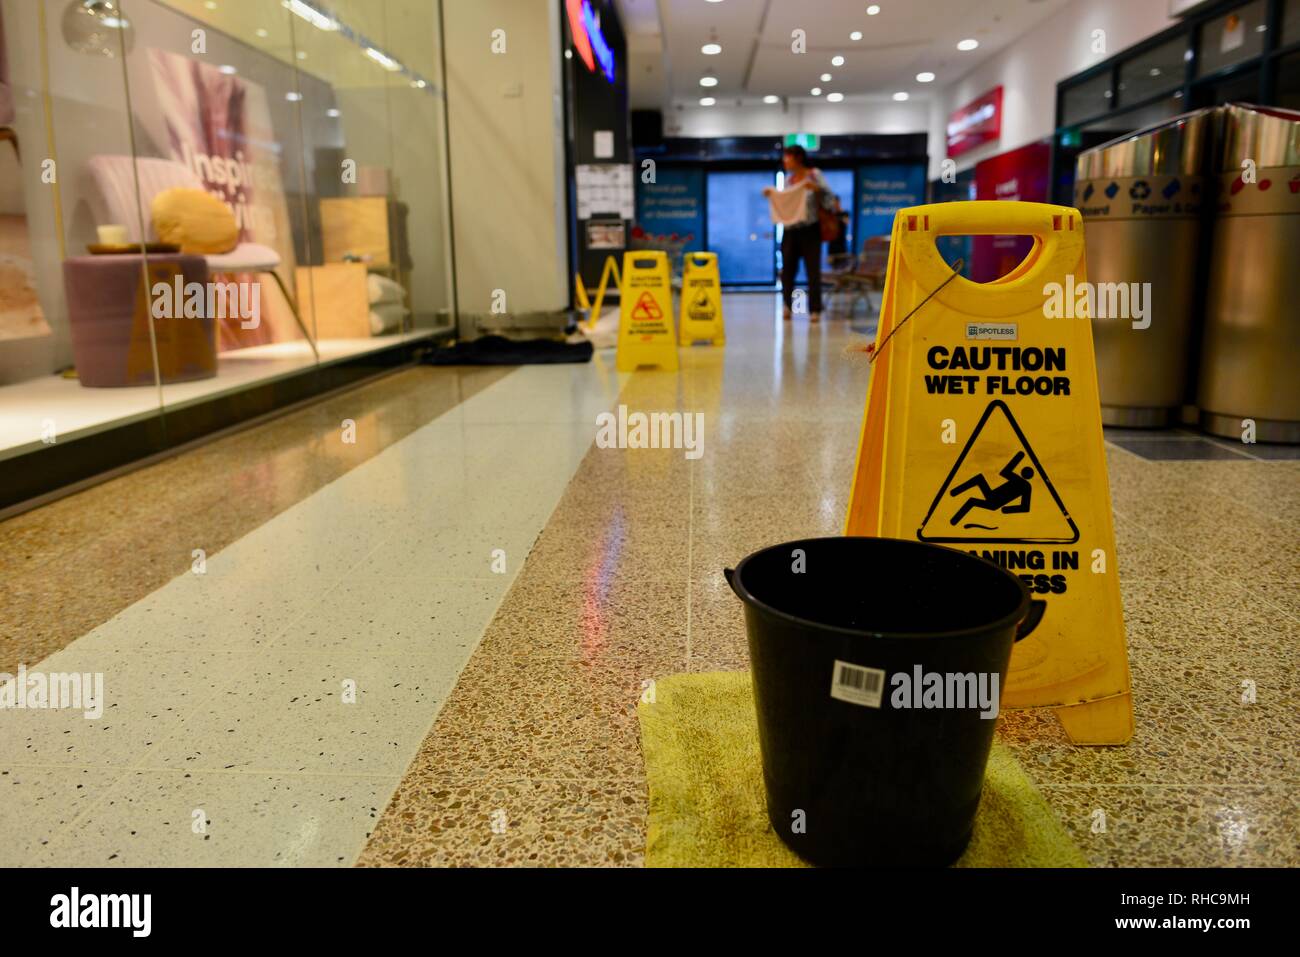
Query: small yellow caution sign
[701, 313]
[982, 432]
[645, 328]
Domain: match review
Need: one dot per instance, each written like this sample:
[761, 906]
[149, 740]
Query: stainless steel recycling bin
[1141, 196]
[1251, 351]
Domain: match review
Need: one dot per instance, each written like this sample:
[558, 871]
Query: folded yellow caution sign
[983, 432]
[701, 316]
[645, 328]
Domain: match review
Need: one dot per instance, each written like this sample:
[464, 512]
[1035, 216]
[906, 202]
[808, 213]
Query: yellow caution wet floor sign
[701, 314]
[983, 432]
[645, 327]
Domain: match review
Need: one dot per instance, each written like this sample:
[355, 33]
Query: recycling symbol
[1139, 190]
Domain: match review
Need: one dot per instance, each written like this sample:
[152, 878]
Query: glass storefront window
[1290, 23]
[283, 162]
[1233, 38]
[1156, 71]
[1288, 81]
[1085, 100]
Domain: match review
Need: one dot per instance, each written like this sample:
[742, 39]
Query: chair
[116, 183]
[865, 274]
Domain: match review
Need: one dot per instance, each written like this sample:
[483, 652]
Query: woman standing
[796, 208]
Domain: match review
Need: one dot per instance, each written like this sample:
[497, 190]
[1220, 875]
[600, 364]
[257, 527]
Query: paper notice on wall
[605, 188]
[1234, 34]
[603, 144]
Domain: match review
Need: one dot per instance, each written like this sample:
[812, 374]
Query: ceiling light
[211, 4]
[227, 69]
[707, 101]
[837, 60]
[825, 77]
[855, 36]
[965, 45]
[333, 113]
[418, 84]
[900, 96]
[834, 97]
[708, 81]
[711, 49]
[926, 77]
[383, 59]
[293, 96]
[309, 13]
[816, 91]
[873, 9]
[301, 54]
[771, 99]
[262, 32]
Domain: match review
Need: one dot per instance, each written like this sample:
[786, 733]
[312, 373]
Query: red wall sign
[976, 123]
[1020, 175]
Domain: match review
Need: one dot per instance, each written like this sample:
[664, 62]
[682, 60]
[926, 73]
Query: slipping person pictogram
[1010, 497]
[1009, 486]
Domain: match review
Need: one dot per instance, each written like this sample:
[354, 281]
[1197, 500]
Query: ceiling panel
[906, 37]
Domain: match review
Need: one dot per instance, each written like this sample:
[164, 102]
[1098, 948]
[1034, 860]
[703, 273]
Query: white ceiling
[905, 38]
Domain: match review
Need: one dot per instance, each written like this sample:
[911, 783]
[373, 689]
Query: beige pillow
[197, 221]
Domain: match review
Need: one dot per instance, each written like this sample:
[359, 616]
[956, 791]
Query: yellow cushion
[196, 220]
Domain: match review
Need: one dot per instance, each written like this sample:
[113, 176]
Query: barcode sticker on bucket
[858, 685]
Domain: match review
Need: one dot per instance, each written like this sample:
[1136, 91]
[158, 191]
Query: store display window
[201, 199]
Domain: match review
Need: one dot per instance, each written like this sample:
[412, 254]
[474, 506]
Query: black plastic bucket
[833, 622]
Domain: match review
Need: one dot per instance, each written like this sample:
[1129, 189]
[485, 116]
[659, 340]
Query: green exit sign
[809, 141]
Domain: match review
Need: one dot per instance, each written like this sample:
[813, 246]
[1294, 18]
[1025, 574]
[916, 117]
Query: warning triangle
[998, 491]
[647, 309]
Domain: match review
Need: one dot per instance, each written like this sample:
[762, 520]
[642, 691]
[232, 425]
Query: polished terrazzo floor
[506, 732]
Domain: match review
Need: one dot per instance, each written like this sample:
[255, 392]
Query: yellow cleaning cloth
[707, 807]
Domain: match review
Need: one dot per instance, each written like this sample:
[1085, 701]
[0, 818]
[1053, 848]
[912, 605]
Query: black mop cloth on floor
[500, 351]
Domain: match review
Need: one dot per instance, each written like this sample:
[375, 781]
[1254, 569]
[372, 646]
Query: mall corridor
[492, 592]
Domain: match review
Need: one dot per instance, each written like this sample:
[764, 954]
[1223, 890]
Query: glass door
[740, 227]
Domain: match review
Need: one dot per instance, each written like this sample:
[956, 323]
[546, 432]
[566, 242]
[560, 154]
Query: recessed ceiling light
[418, 84]
[313, 16]
[293, 96]
[816, 91]
[926, 77]
[711, 49]
[707, 101]
[837, 60]
[834, 97]
[333, 113]
[211, 4]
[708, 81]
[301, 54]
[855, 36]
[262, 32]
[825, 77]
[873, 10]
[900, 96]
[771, 99]
[383, 59]
[968, 45]
[227, 69]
